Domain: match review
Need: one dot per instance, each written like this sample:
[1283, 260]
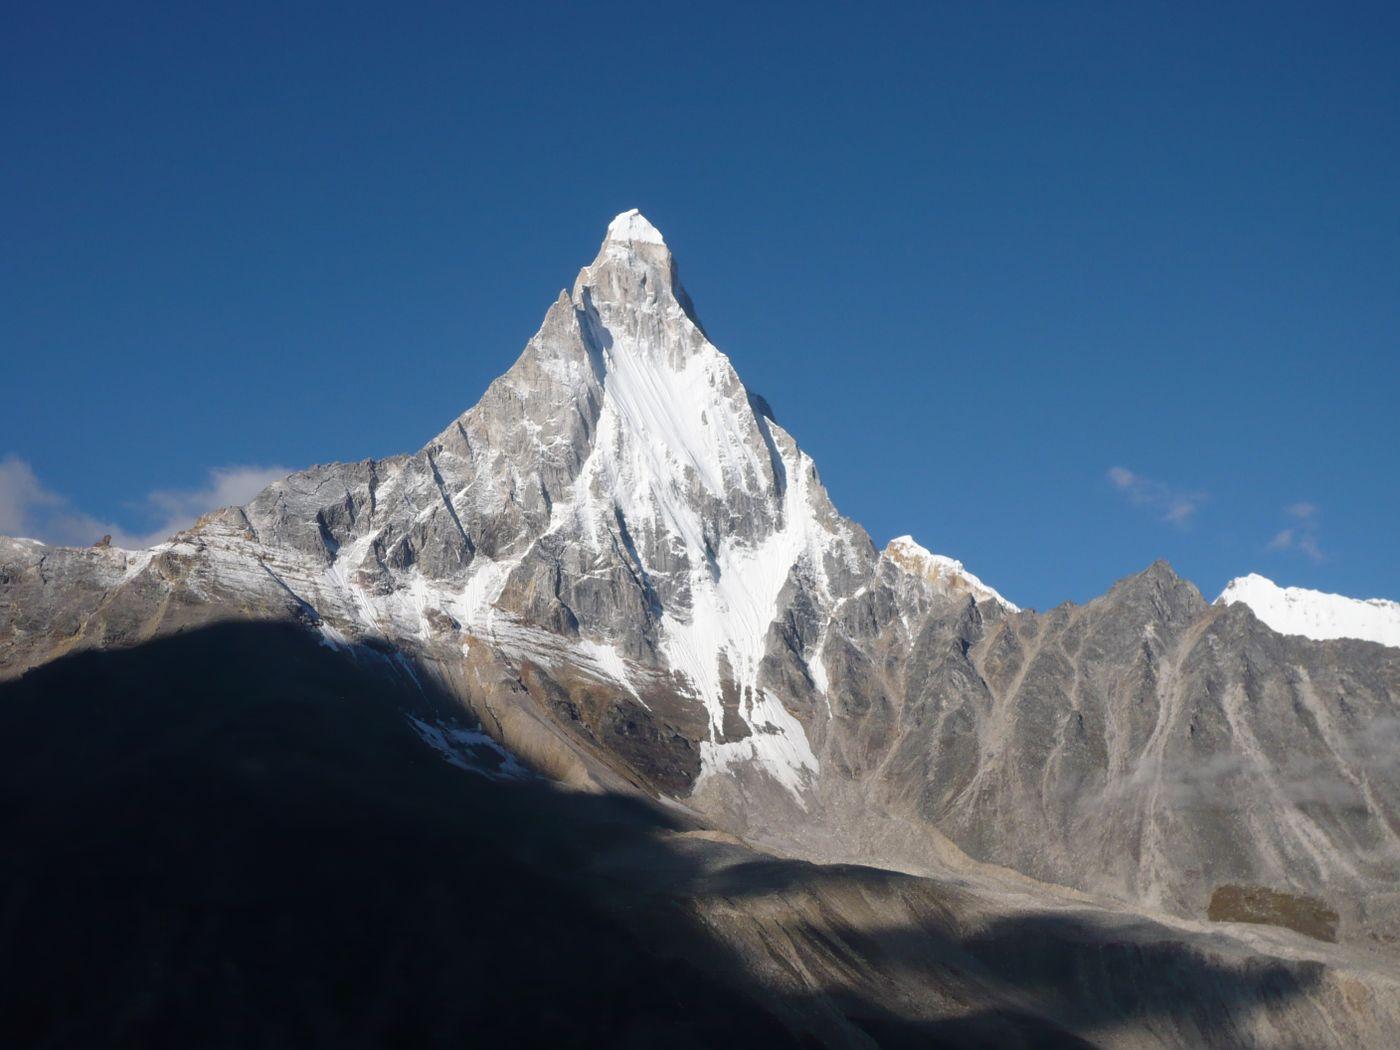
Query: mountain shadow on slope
[233, 837]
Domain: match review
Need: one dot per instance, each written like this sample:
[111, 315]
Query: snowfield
[1315, 614]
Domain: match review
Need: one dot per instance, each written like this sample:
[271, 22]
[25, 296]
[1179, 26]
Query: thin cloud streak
[1301, 535]
[1170, 504]
[30, 509]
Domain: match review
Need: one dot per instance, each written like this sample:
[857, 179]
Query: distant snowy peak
[945, 573]
[1315, 614]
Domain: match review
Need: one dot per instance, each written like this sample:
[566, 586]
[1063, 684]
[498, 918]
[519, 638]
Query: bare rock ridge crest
[631, 578]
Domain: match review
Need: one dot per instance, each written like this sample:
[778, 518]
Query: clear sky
[1059, 289]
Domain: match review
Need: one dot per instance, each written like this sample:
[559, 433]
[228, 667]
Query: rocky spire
[634, 268]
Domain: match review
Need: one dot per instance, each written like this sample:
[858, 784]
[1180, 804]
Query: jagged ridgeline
[617, 572]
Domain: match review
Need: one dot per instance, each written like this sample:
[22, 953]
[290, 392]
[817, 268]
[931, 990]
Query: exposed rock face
[1145, 745]
[632, 575]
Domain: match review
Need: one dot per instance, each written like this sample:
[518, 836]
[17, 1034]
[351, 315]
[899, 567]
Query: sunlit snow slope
[1315, 614]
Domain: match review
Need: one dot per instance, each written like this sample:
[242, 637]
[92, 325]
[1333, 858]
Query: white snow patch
[136, 561]
[734, 598]
[478, 598]
[332, 638]
[632, 226]
[816, 667]
[610, 662]
[1315, 614]
[464, 749]
[778, 745]
[816, 663]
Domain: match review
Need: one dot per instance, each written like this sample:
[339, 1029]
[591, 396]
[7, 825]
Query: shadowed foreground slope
[234, 837]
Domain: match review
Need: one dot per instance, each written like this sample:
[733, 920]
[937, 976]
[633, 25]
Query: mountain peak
[947, 573]
[635, 265]
[632, 227]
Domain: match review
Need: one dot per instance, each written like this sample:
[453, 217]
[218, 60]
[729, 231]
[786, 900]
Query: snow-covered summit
[632, 492]
[1315, 614]
[947, 573]
[632, 227]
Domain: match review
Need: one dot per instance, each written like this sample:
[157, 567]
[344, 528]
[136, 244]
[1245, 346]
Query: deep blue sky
[975, 255]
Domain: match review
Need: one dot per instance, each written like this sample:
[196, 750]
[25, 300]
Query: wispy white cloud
[29, 508]
[1302, 510]
[224, 487]
[1300, 535]
[1173, 505]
